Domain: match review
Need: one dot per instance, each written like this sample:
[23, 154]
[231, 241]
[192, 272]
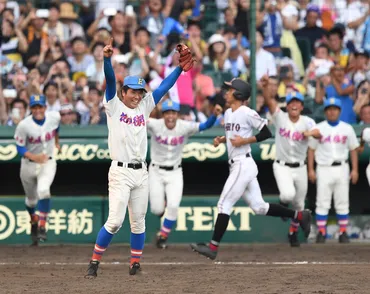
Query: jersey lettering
[336, 139]
[137, 121]
[173, 141]
[232, 127]
[295, 136]
[37, 140]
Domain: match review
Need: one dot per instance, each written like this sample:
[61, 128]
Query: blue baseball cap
[294, 95]
[134, 82]
[170, 105]
[37, 100]
[333, 102]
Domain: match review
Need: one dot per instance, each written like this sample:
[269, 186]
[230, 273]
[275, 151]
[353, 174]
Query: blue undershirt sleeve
[208, 123]
[110, 91]
[166, 84]
[21, 150]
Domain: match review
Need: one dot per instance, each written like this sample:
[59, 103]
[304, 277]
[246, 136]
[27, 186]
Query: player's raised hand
[354, 176]
[237, 141]
[218, 140]
[217, 110]
[312, 176]
[264, 81]
[108, 49]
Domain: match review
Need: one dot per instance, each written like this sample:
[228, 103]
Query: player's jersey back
[38, 139]
[166, 145]
[127, 139]
[241, 122]
[335, 143]
[291, 144]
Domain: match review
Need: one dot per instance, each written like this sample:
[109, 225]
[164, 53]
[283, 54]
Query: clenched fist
[108, 49]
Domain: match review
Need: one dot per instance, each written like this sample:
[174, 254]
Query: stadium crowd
[319, 48]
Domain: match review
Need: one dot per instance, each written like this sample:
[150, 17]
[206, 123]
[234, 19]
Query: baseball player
[333, 171]
[291, 141]
[365, 138]
[127, 141]
[168, 138]
[36, 136]
[240, 121]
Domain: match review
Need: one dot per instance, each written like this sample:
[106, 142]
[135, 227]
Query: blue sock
[44, 205]
[167, 227]
[31, 210]
[137, 245]
[102, 242]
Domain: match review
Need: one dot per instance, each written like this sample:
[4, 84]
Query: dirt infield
[329, 268]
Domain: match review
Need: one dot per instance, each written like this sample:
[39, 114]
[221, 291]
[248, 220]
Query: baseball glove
[186, 57]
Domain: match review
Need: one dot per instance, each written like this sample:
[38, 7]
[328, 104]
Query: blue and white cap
[37, 100]
[333, 102]
[170, 105]
[294, 95]
[133, 82]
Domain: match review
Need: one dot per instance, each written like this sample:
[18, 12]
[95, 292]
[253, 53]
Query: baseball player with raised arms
[127, 141]
[239, 122]
[168, 138]
[333, 171]
[36, 137]
[365, 138]
[291, 141]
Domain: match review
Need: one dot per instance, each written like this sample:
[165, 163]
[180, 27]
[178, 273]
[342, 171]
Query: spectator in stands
[32, 26]
[342, 88]
[338, 52]
[195, 41]
[203, 86]
[94, 71]
[272, 29]
[18, 111]
[237, 60]
[68, 115]
[54, 27]
[68, 17]
[311, 30]
[121, 37]
[90, 108]
[362, 96]
[265, 61]
[80, 59]
[51, 92]
[302, 9]
[365, 115]
[361, 67]
[218, 52]
[13, 43]
[287, 83]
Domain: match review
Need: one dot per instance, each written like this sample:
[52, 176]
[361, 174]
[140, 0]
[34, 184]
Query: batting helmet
[242, 89]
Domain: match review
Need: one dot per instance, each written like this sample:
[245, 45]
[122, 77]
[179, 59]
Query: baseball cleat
[305, 223]
[293, 239]
[134, 268]
[34, 231]
[320, 238]
[92, 270]
[160, 242]
[41, 234]
[343, 238]
[204, 250]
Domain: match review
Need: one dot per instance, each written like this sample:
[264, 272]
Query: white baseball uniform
[37, 178]
[165, 172]
[366, 138]
[289, 168]
[242, 180]
[127, 142]
[332, 171]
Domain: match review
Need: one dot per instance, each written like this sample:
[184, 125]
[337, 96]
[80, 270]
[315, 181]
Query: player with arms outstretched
[36, 137]
[240, 121]
[168, 138]
[291, 140]
[127, 141]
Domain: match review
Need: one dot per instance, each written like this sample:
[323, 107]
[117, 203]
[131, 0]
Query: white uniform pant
[332, 180]
[37, 179]
[368, 173]
[242, 182]
[292, 184]
[127, 187]
[165, 186]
